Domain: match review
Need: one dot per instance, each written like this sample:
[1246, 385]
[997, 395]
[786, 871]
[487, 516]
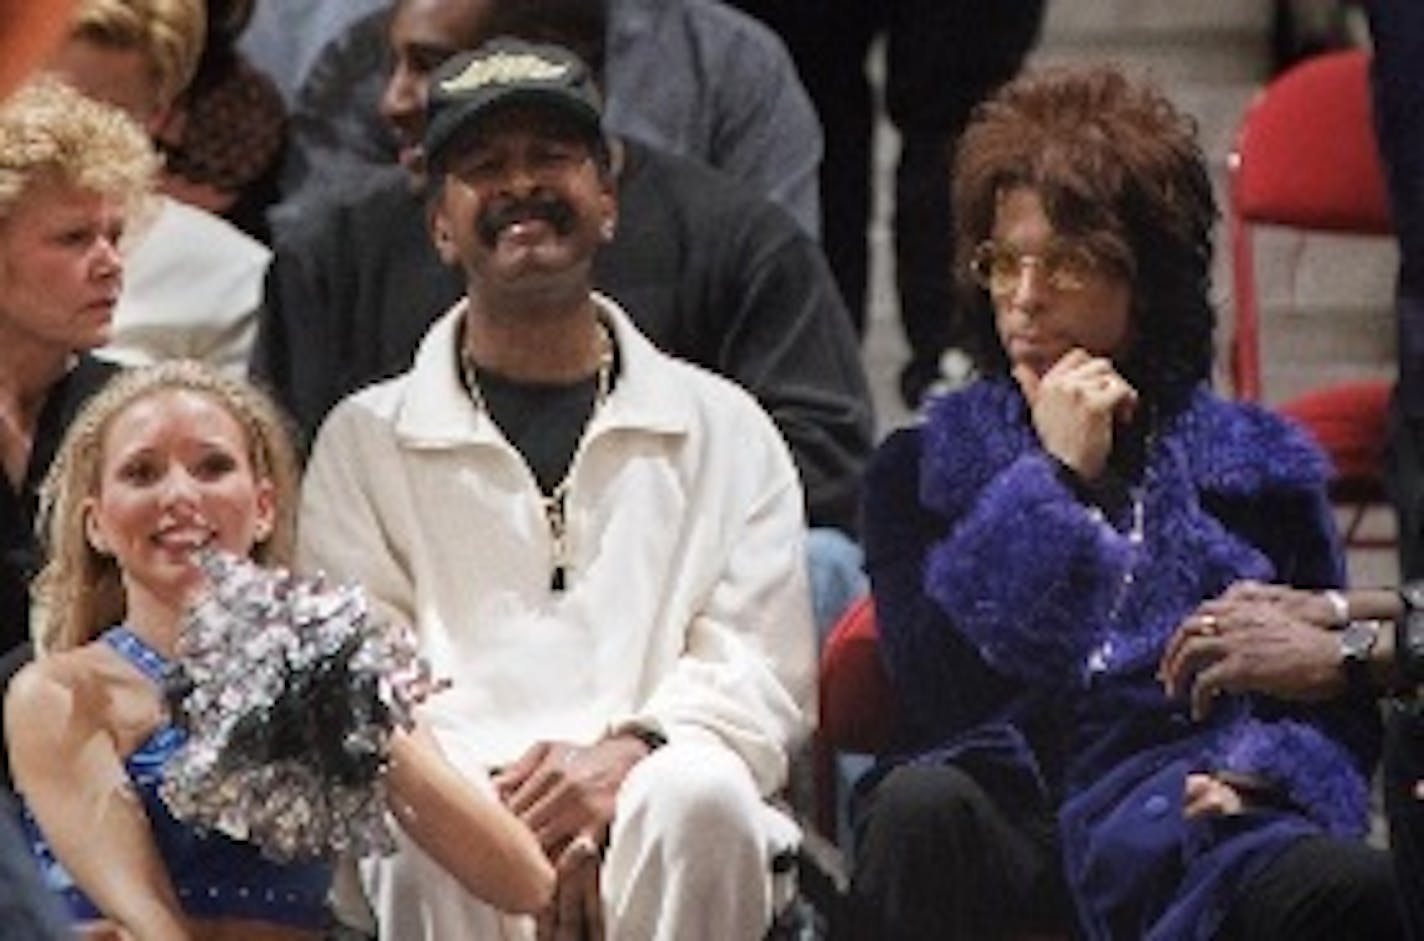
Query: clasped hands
[1260, 638]
[1255, 637]
[566, 795]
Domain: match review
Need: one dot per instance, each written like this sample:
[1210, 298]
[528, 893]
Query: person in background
[1314, 646]
[225, 136]
[163, 462]
[601, 543]
[690, 77]
[284, 37]
[709, 272]
[194, 280]
[1397, 32]
[942, 57]
[1035, 543]
[71, 173]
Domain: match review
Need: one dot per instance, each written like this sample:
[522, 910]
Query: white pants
[689, 858]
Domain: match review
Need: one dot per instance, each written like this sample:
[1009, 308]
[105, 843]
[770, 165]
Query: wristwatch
[1357, 642]
[1409, 634]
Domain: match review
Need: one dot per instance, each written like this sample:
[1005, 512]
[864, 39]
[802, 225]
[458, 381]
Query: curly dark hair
[1120, 169]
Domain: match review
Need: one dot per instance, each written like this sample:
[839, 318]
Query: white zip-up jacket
[686, 608]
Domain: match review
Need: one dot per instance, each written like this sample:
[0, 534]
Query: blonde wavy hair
[52, 134]
[79, 591]
[169, 34]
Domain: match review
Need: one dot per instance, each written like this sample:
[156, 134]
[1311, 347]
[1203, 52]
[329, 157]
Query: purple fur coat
[1023, 632]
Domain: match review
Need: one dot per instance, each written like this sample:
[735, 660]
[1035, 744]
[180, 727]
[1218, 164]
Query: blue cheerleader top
[215, 875]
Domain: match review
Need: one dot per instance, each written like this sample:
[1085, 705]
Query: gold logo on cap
[505, 68]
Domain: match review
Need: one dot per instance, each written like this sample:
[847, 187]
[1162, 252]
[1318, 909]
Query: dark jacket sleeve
[295, 332]
[789, 342]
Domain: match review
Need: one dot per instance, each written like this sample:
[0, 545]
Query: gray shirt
[284, 37]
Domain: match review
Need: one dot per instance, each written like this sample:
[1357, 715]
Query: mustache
[541, 207]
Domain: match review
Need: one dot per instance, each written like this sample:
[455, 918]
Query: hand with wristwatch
[1298, 644]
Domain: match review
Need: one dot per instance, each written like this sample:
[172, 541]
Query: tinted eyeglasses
[999, 269]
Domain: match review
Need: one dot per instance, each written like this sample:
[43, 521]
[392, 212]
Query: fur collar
[971, 435]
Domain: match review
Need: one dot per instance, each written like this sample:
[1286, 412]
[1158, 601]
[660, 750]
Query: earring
[607, 230]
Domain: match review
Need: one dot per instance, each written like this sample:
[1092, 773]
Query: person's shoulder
[182, 256]
[754, 46]
[890, 490]
[1243, 446]
[363, 211]
[716, 401]
[898, 452]
[701, 196]
[47, 687]
[703, 186]
[196, 232]
[363, 415]
[700, 385]
[980, 409]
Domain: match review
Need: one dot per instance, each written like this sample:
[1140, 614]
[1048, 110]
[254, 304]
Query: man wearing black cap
[601, 545]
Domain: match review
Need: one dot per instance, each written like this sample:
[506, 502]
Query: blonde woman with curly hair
[71, 171]
[165, 461]
[195, 280]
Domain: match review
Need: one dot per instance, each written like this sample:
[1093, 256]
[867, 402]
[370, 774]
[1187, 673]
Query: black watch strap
[1357, 643]
[1409, 634]
[1412, 594]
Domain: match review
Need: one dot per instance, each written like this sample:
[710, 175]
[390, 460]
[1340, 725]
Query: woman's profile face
[1049, 296]
[175, 476]
[60, 270]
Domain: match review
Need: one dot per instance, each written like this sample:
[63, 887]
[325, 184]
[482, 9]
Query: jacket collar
[1219, 444]
[435, 411]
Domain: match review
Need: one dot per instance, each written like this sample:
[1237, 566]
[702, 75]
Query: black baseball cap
[504, 71]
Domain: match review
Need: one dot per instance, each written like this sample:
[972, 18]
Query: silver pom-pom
[289, 689]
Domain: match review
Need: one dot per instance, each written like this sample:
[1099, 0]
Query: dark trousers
[1403, 769]
[937, 859]
[943, 57]
[1320, 889]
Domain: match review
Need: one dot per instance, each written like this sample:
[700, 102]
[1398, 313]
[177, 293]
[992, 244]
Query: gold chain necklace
[555, 502]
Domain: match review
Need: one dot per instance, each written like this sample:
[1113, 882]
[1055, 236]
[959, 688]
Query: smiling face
[422, 35]
[175, 475]
[1040, 314]
[60, 269]
[524, 200]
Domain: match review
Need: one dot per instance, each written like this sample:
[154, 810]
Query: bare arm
[68, 769]
[482, 844]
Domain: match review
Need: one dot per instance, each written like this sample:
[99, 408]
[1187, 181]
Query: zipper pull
[555, 514]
